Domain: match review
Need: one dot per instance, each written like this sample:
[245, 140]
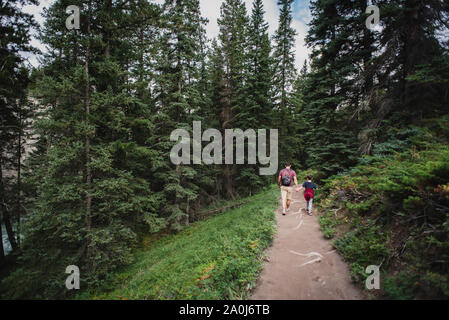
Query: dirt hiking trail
[302, 265]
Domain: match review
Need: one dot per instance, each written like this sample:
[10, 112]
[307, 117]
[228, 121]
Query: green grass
[327, 225]
[219, 258]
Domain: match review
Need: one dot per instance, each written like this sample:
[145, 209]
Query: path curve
[302, 265]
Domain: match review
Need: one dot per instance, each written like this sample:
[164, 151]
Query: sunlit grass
[219, 258]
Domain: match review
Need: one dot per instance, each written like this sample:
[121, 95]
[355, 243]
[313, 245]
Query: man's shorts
[286, 193]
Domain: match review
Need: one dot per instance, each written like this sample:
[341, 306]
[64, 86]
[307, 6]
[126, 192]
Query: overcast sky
[211, 10]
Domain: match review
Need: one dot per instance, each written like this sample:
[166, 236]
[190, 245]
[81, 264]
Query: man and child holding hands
[285, 182]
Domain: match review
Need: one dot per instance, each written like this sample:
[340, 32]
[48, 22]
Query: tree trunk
[2, 250]
[179, 68]
[187, 221]
[141, 62]
[228, 182]
[5, 213]
[19, 181]
[226, 125]
[88, 174]
[178, 176]
[107, 50]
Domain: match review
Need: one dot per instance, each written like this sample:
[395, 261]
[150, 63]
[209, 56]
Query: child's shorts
[309, 194]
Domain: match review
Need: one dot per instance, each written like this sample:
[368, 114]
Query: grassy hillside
[393, 211]
[219, 258]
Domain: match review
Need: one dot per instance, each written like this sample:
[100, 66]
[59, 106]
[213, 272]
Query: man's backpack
[286, 178]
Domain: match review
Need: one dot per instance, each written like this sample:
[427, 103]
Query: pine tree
[300, 125]
[255, 111]
[212, 114]
[332, 92]
[409, 48]
[14, 78]
[284, 77]
[259, 78]
[179, 59]
[92, 192]
[284, 39]
[233, 24]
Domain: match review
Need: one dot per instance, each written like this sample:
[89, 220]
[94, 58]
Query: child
[309, 186]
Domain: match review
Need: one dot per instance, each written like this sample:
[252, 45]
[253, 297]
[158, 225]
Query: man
[285, 183]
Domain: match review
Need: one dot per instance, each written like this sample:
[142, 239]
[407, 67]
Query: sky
[210, 9]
